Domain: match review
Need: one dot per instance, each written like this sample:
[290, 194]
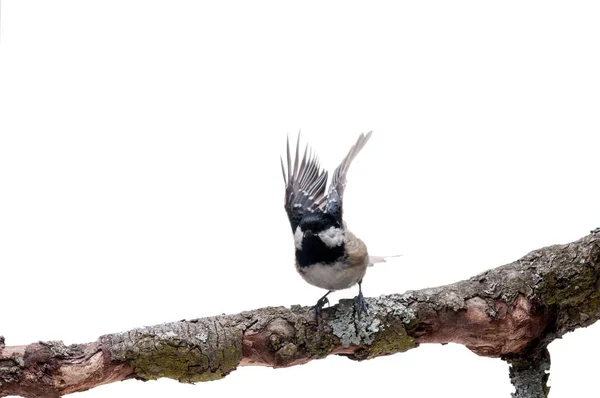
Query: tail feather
[380, 259]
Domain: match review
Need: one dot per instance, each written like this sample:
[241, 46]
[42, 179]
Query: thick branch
[508, 312]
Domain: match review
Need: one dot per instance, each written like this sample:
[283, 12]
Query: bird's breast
[333, 276]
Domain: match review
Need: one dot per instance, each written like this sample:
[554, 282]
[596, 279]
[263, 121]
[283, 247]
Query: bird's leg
[320, 304]
[361, 305]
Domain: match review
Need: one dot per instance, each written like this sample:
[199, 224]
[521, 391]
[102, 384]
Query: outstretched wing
[304, 184]
[338, 182]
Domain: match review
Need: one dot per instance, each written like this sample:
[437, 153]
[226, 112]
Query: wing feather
[338, 181]
[305, 184]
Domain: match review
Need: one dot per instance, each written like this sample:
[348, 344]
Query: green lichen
[164, 360]
[286, 354]
[188, 352]
[183, 363]
[572, 317]
[592, 305]
[322, 345]
[390, 339]
[569, 288]
[573, 291]
[275, 342]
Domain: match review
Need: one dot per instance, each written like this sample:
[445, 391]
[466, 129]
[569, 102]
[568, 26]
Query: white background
[140, 179]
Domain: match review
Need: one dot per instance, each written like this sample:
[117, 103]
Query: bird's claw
[319, 306]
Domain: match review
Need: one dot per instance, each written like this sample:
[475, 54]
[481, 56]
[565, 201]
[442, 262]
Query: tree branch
[511, 312]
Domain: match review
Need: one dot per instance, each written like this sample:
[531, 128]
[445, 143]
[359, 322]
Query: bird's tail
[380, 259]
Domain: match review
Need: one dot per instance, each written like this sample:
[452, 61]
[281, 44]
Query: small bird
[328, 255]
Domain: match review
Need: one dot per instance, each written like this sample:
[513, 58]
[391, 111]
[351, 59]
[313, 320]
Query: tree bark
[510, 312]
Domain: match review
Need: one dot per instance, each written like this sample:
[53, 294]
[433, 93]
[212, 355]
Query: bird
[328, 255]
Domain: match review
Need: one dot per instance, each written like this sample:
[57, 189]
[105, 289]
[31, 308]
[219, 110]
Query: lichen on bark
[528, 373]
[381, 330]
[193, 351]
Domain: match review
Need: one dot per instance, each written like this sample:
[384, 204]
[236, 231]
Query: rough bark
[511, 312]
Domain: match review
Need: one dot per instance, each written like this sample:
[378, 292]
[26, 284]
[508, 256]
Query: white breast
[334, 276]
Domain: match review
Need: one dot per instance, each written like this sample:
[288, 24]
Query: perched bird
[328, 255]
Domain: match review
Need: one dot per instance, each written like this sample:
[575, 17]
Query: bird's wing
[338, 182]
[304, 184]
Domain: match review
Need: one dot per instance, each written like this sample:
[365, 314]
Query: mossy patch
[183, 363]
[391, 338]
[189, 353]
[568, 288]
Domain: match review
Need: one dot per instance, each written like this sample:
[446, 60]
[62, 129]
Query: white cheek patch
[298, 235]
[332, 237]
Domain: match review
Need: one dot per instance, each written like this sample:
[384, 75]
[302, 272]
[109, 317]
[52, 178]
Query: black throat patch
[315, 251]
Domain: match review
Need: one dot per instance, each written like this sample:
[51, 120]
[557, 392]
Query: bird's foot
[361, 304]
[320, 304]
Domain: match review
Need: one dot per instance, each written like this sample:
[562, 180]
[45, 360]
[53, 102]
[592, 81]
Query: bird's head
[320, 228]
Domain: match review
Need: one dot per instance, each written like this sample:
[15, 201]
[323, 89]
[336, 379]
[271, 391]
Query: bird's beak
[308, 233]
